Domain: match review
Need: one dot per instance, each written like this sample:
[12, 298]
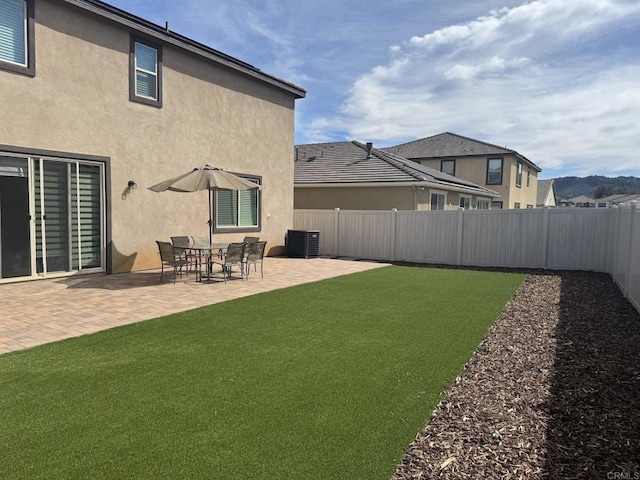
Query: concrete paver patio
[38, 312]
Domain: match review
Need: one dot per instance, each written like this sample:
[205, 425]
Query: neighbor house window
[448, 167]
[494, 171]
[529, 206]
[528, 176]
[145, 72]
[496, 205]
[482, 204]
[516, 205]
[519, 175]
[465, 202]
[437, 201]
[238, 210]
[17, 49]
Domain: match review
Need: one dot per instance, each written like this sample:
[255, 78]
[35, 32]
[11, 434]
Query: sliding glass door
[56, 219]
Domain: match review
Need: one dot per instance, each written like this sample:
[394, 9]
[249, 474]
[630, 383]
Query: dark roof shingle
[451, 145]
[348, 163]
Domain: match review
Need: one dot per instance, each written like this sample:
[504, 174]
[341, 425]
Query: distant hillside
[593, 185]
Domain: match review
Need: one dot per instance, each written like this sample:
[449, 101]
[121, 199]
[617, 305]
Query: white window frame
[482, 204]
[468, 201]
[144, 70]
[444, 200]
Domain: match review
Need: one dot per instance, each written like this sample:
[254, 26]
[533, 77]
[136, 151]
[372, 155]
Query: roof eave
[441, 186]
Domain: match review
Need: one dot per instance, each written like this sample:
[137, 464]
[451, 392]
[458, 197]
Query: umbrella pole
[210, 219]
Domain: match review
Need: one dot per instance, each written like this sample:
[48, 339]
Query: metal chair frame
[234, 256]
[255, 255]
[170, 257]
[181, 244]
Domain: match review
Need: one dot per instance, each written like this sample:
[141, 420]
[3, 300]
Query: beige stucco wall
[79, 102]
[475, 170]
[355, 198]
[525, 195]
[374, 198]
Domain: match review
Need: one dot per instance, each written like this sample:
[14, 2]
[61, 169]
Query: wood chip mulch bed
[552, 392]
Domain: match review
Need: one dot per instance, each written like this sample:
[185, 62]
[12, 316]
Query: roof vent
[369, 148]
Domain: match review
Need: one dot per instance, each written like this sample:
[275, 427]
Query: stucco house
[501, 169]
[357, 176]
[546, 194]
[98, 105]
[617, 199]
[581, 201]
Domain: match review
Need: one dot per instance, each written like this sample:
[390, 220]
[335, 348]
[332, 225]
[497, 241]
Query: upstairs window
[145, 77]
[448, 167]
[519, 175]
[17, 50]
[494, 171]
[528, 176]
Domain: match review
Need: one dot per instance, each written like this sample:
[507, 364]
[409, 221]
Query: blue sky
[558, 81]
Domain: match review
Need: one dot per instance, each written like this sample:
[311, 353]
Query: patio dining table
[203, 252]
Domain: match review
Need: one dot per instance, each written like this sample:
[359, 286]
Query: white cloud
[550, 79]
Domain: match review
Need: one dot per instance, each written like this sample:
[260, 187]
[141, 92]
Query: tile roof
[621, 198]
[165, 35]
[451, 145]
[348, 163]
[543, 190]
[582, 199]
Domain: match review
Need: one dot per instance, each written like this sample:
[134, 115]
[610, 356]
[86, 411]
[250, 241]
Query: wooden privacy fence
[600, 240]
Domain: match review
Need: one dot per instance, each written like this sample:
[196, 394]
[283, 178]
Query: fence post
[616, 246]
[392, 254]
[632, 213]
[459, 237]
[545, 236]
[610, 234]
[336, 239]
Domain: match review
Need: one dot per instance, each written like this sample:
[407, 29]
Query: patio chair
[248, 241]
[255, 255]
[181, 246]
[233, 257]
[171, 258]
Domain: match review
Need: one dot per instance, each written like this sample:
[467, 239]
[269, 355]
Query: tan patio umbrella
[205, 178]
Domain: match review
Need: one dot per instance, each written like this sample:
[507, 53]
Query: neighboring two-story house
[357, 176]
[95, 102]
[506, 171]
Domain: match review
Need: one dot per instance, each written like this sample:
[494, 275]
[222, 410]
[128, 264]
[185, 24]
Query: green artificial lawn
[330, 380]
